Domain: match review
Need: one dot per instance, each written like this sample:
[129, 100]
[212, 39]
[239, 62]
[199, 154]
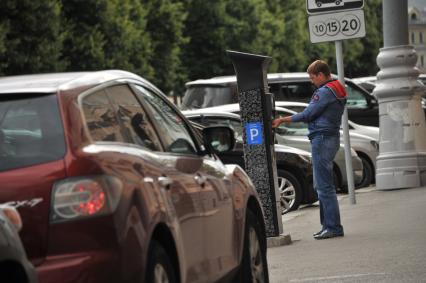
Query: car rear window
[208, 96]
[31, 131]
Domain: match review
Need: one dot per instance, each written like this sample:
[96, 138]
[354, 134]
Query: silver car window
[171, 128]
[135, 123]
[101, 121]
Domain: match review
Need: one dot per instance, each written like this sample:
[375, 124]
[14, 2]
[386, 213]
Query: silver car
[364, 140]
[298, 139]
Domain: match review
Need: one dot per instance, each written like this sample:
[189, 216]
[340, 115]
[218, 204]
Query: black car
[14, 264]
[362, 107]
[294, 166]
[369, 84]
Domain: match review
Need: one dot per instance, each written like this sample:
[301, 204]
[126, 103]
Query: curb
[281, 240]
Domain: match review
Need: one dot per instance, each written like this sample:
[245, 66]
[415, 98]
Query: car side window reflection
[171, 128]
[355, 98]
[134, 121]
[231, 123]
[292, 91]
[100, 118]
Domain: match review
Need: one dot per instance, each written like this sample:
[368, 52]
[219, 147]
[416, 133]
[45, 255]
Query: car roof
[210, 112]
[272, 77]
[54, 82]
[285, 104]
[370, 79]
[226, 110]
[290, 103]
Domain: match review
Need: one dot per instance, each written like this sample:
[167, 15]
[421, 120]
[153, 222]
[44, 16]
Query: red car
[113, 185]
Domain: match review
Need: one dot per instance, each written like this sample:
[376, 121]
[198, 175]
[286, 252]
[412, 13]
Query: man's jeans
[324, 149]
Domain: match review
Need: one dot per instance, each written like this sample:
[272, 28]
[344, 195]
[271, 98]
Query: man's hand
[280, 120]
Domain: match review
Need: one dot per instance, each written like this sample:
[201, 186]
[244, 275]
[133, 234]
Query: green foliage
[253, 28]
[170, 41]
[167, 42]
[127, 43]
[293, 55]
[364, 51]
[204, 54]
[31, 41]
[84, 40]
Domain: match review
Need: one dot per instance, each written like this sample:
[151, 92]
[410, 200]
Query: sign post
[337, 20]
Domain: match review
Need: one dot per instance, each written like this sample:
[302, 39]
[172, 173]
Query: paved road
[385, 241]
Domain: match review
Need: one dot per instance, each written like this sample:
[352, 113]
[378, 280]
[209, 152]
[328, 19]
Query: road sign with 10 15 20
[336, 26]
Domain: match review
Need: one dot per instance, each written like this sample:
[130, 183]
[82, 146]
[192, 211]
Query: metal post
[402, 157]
[346, 139]
[256, 116]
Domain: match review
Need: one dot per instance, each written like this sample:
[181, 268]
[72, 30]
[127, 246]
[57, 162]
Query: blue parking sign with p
[254, 133]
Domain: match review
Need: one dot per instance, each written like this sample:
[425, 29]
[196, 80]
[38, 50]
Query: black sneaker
[317, 233]
[326, 234]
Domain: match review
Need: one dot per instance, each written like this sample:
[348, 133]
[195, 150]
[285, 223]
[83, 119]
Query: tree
[167, 41]
[205, 53]
[84, 40]
[294, 55]
[31, 39]
[253, 28]
[127, 44]
[363, 63]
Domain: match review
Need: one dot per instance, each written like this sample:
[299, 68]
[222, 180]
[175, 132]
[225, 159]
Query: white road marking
[336, 277]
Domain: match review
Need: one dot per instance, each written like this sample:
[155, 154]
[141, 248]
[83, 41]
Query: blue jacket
[324, 112]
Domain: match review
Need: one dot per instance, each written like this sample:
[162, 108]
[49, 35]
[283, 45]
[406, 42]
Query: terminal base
[280, 240]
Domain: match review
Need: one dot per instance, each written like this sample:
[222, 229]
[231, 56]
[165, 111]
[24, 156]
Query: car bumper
[31, 273]
[84, 267]
[357, 170]
[357, 176]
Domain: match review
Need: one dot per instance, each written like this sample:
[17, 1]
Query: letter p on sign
[254, 133]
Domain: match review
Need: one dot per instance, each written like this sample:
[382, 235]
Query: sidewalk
[385, 241]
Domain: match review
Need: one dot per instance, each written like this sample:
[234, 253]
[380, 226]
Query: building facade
[417, 34]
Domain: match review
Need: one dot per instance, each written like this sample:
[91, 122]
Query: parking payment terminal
[256, 115]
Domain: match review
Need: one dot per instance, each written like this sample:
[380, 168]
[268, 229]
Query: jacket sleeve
[316, 107]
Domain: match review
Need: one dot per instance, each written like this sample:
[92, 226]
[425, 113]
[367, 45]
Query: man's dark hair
[319, 66]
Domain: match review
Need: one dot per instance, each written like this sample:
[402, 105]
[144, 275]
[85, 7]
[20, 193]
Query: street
[385, 241]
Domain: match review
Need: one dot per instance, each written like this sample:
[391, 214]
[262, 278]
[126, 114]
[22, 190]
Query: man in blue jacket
[324, 115]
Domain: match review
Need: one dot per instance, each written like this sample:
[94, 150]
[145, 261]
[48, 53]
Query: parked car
[369, 83]
[297, 137]
[364, 140]
[362, 107]
[14, 264]
[365, 147]
[370, 131]
[294, 166]
[114, 185]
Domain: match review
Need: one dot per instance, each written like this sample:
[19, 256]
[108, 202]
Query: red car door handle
[165, 182]
[201, 180]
